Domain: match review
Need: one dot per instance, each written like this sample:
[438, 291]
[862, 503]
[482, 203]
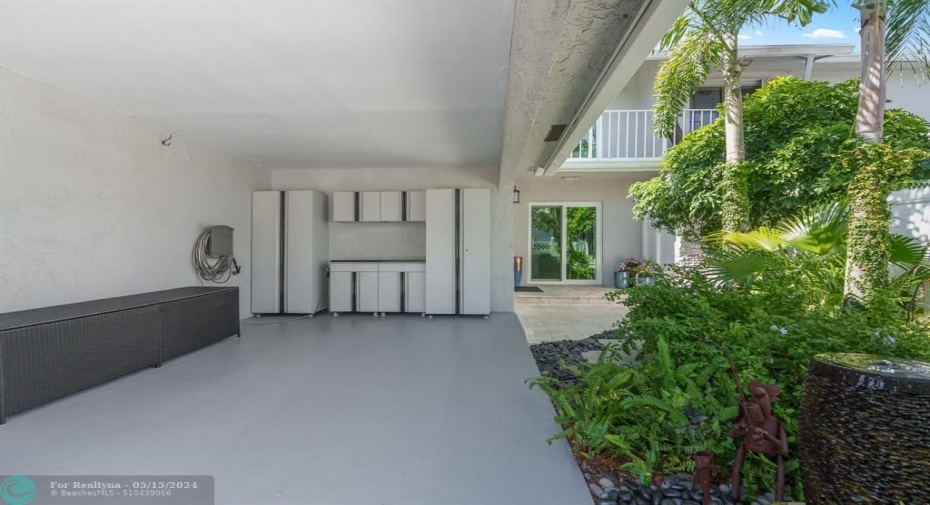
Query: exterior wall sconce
[516, 195]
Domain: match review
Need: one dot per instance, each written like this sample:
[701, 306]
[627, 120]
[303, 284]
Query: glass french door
[565, 241]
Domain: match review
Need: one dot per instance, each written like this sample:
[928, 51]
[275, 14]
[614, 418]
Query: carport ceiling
[315, 84]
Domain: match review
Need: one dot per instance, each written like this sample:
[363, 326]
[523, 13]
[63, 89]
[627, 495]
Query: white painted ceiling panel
[313, 84]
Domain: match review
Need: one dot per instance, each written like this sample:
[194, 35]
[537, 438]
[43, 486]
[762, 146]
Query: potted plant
[646, 274]
[625, 275]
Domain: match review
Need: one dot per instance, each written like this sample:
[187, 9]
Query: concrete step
[560, 300]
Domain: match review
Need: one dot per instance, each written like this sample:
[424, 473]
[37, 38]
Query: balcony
[624, 139]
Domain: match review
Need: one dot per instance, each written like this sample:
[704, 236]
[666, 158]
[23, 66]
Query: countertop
[416, 260]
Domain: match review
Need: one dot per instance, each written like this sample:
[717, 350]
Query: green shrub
[638, 415]
[795, 133]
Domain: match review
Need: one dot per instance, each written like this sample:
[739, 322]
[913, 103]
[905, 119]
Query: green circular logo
[18, 490]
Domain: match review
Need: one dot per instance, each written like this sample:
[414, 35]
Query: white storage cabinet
[305, 233]
[344, 206]
[415, 206]
[458, 255]
[369, 206]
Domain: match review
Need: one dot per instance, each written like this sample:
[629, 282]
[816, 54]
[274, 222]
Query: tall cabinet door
[475, 244]
[266, 252]
[440, 251]
[306, 256]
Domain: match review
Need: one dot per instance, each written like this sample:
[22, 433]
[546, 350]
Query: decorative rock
[667, 501]
[606, 483]
[672, 492]
[612, 494]
[548, 354]
[607, 502]
[725, 488]
[587, 475]
[596, 490]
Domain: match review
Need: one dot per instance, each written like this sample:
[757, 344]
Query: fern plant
[647, 415]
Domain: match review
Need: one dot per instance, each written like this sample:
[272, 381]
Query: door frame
[599, 237]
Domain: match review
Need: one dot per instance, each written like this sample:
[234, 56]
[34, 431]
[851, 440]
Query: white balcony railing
[628, 135]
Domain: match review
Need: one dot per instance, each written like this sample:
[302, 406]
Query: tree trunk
[871, 112]
[864, 274]
[735, 205]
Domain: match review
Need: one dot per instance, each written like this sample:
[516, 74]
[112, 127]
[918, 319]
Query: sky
[839, 25]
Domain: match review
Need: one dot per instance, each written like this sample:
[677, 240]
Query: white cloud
[759, 33]
[825, 33]
[743, 37]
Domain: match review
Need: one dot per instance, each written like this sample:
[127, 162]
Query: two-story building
[574, 222]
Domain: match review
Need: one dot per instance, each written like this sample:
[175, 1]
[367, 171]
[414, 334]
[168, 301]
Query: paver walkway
[566, 312]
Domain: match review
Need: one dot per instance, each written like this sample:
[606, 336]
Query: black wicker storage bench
[52, 352]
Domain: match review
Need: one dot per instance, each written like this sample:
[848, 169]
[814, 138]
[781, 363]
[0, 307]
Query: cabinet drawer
[402, 267]
[353, 267]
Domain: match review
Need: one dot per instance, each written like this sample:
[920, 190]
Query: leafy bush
[648, 417]
[811, 248]
[795, 134]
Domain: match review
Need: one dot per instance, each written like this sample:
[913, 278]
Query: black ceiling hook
[167, 141]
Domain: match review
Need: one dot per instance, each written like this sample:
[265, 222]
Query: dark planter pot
[645, 281]
[621, 280]
[863, 434]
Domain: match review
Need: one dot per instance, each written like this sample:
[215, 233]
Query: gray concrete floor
[348, 410]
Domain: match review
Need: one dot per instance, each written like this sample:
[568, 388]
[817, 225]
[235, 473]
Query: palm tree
[810, 248]
[704, 38]
[892, 33]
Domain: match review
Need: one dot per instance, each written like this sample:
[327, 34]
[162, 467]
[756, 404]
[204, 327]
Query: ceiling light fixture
[516, 195]
[539, 171]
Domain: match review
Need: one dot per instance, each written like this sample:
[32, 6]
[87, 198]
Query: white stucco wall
[621, 234]
[906, 89]
[910, 213]
[92, 205]
[405, 240]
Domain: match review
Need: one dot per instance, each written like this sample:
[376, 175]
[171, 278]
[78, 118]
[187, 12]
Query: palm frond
[907, 251]
[762, 238]
[689, 63]
[740, 265]
[907, 36]
[819, 230]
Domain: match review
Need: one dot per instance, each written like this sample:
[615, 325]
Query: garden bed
[607, 486]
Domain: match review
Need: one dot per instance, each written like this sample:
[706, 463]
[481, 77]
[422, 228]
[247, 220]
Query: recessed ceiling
[311, 84]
